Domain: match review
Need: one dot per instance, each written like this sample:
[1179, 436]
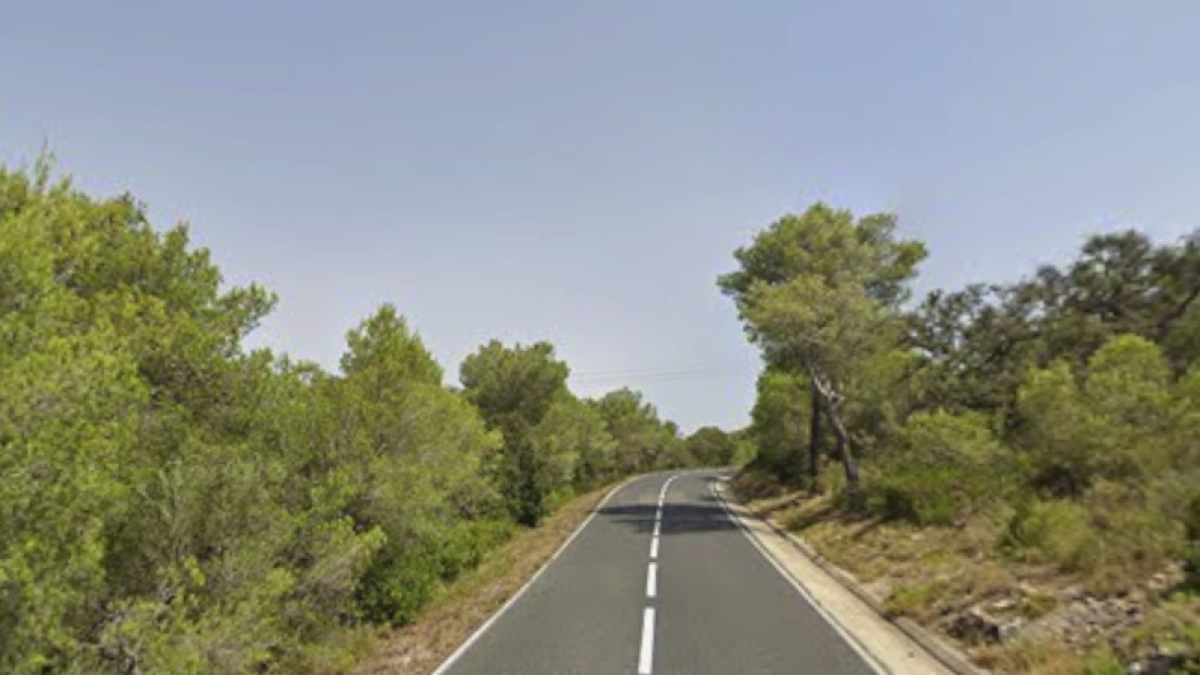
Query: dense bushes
[173, 503]
[942, 468]
[1111, 423]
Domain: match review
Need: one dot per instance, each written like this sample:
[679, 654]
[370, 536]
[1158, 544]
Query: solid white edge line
[654, 548]
[857, 646]
[462, 649]
[646, 654]
[652, 581]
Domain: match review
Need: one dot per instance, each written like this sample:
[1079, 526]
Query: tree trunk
[843, 448]
[814, 440]
[832, 403]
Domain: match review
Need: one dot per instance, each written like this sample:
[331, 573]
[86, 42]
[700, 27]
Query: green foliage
[641, 437]
[910, 600]
[410, 457]
[514, 390]
[943, 468]
[1104, 662]
[577, 448]
[710, 446]
[384, 347]
[1057, 532]
[1106, 428]
[1071, 397]
[780, 421]
[820, 292]
[67, 423]
[746, 451]
[402, 580]
[173, 503]
[1112, 534]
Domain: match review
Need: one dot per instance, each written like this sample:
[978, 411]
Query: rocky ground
[1073, 617]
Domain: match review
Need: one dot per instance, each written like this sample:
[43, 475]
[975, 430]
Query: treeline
[172, 502]
[1067, 404]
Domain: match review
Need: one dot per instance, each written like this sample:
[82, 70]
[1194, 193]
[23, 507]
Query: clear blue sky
[581, 171]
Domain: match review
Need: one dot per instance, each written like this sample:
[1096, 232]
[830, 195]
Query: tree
[640, 435]
[514, 389]
[819, 290]
[576, 447]
[414, 455]
[1102, 425]
[710, 446]
[172, 502]
[980, 342]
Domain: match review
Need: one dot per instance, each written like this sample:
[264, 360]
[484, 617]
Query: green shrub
[402, 580]
[1114, 534]
[922, 497]
[944, 467]
[1037, 605]
[1138, 535]
[394, 589]
[1109, 421]
[464, 548]
[910, 600]
[1104, 662]
[1056, 532]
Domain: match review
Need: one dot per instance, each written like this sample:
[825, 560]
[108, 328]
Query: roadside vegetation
[1016, 465]
[173, 502]
[418, 648]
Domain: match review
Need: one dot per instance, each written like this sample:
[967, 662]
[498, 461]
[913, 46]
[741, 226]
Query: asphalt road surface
[671, 590]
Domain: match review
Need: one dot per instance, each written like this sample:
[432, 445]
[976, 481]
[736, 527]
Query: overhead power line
[694, 371]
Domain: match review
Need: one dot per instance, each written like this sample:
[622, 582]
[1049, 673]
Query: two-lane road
[675, 589]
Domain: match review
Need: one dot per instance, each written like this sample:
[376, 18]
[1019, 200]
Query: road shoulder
[893, 648]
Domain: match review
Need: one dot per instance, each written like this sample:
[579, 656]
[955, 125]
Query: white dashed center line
[646, 655]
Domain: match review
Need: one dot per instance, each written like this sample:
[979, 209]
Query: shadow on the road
[706, 516]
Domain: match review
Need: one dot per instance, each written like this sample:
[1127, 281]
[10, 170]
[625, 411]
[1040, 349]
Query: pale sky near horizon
[581, 172]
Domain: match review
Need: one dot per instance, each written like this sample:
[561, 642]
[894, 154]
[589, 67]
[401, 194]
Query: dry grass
[419, 648]
[1032, 658]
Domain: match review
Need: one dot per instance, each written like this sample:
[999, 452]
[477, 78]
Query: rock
[1158, 665]
[976, 626]
[1004, 605]
[1007, 631]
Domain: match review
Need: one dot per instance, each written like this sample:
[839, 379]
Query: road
[641, 590]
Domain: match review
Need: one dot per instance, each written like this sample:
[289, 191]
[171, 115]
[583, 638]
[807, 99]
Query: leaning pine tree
[819, 293]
